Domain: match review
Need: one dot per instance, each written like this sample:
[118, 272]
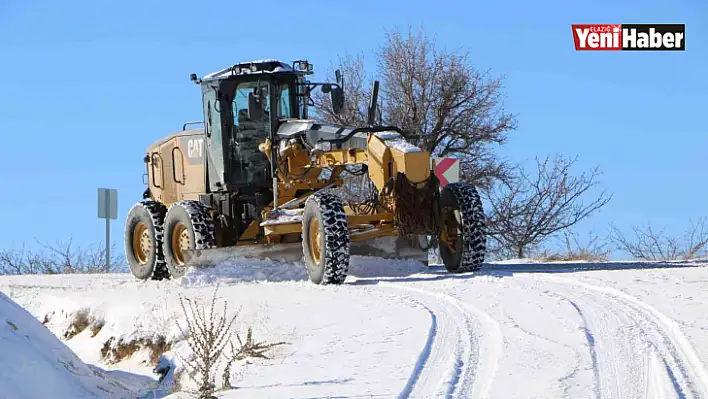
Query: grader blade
[384, 247]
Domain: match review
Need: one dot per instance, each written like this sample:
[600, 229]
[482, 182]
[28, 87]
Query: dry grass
[248, 349]
[582, 255]
[79, 321]
[59, 258]
[593, 250]
[648, 243]
[96, 327]
[116, 350]
[209, 332]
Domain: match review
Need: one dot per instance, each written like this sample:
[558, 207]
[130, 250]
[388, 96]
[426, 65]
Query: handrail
[184, 127]
[152, 165]
[174, 165]
[373, 129]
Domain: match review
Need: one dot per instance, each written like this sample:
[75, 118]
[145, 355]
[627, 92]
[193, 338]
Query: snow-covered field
[400, 329]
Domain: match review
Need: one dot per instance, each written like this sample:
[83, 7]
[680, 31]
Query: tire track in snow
[593, 350]
[492, 349]
[659, 388]
[662, 355]
[470, 371]
[424, 354]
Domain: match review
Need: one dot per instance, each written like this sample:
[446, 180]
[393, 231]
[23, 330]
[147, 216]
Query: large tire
[326, 239]
[463, 243]
[143, 240]
[188, 228]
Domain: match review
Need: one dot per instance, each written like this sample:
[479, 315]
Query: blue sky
[87, 86]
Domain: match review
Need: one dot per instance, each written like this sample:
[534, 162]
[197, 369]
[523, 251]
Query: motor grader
[261, 174]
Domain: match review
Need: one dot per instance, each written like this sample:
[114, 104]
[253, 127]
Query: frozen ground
[398, 329]
[36, 364]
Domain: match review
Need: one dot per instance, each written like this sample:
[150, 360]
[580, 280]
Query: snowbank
[36, 364]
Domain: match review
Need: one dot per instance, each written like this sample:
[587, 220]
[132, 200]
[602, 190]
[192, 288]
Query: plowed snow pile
[36, 364]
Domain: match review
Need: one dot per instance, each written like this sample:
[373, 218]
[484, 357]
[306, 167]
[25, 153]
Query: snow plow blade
[385, 247]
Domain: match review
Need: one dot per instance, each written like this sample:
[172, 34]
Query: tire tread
[473, 226]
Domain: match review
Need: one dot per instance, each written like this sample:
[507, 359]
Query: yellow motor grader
[261, 174]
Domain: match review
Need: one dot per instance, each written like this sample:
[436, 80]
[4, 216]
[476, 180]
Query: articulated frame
[305, 174]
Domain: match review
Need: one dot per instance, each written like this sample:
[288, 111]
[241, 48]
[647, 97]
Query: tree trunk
[520, 252]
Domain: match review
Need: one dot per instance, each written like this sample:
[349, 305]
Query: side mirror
[337, 95]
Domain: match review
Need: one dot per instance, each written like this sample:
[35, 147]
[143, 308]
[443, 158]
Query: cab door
[216, 143]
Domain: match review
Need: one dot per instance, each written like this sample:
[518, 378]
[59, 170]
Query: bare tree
[650, 244]
[358, 94]
[533, 207]
[19, 262]
[59, 258]
[448, 107]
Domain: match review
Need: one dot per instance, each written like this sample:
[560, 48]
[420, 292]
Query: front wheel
[462, 237]
[325, 239]
[188, 228]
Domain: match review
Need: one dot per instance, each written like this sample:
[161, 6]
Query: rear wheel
[462, 240]
[325, 240]
[188, 228]
[143, 240]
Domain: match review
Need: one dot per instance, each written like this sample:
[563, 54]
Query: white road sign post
[108, 209]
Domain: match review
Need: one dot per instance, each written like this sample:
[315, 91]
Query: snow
[388, 135]
[397, 142]
[515, 329]
[36, 364]
[282, 67]
[284, 216]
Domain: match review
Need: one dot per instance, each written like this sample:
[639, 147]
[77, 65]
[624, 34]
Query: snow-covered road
[398, 329]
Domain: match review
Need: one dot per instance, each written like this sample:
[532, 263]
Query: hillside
[36, 364]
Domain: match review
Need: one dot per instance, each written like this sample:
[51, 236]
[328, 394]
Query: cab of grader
[261, 175]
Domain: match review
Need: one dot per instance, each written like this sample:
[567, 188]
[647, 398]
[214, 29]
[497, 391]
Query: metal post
[108, 231]
[373, 102]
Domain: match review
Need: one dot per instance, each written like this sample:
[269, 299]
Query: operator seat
[244, 122]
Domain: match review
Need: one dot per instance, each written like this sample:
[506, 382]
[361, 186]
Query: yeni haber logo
[630, 37]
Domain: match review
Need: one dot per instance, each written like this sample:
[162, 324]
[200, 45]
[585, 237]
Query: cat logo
[195, 148]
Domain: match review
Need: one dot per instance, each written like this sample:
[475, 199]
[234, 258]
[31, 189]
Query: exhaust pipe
[371, 120]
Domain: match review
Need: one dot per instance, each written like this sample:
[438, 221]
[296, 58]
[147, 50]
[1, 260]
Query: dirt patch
[96, 327]
[116, 350]
[78, 322]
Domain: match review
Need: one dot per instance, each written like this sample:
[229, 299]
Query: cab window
[251, 105]
[284, 108]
